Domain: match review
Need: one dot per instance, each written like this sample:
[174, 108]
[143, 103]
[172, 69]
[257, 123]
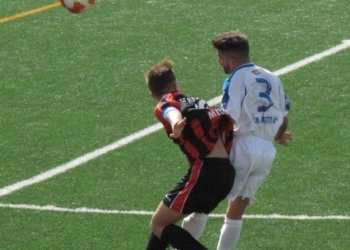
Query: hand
[177, 129]
[283, 140]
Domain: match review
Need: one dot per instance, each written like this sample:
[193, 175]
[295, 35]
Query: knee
[236, 208]
[197, 216]
[157, 226]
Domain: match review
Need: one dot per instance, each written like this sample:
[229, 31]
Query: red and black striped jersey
[203, 123]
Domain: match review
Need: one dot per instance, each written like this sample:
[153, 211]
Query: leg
[252, 158]
[231, 229]
[180, 239]
[195, 224]
[162, 217]
[155, 243]
[164, 228]
[236, 208]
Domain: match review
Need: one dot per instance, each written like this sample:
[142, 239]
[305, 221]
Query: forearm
[282, 129]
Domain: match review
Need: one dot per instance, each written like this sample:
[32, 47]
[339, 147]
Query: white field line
[136, 212]
[149, 130]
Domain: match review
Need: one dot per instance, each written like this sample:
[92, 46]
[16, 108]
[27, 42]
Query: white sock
[195, 224]
[230, 232]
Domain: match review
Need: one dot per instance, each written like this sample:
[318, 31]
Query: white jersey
[255, 99]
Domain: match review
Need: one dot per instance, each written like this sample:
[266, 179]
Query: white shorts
[252, 158]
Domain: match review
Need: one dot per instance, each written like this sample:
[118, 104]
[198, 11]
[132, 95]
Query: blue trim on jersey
[226, 85]
[167, 110]
[287, 102]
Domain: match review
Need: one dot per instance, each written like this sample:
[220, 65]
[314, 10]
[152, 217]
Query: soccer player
[255, 99]
[205, 136]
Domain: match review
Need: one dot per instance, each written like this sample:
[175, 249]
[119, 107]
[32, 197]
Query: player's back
[263, 102]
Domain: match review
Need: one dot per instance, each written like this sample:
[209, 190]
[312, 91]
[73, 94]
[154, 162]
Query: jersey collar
[246, 65]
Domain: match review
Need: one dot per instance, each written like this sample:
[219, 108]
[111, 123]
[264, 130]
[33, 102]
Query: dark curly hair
[235, 43]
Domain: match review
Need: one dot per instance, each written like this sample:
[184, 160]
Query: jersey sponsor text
[265, 119]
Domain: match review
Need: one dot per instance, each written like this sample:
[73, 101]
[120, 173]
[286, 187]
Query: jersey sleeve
[284, 102]
[236, 92]
[162, 109]
[167, 110]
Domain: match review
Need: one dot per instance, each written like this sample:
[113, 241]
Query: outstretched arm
[282, 137]
[177, 122]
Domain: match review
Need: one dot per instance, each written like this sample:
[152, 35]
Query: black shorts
[204, 186]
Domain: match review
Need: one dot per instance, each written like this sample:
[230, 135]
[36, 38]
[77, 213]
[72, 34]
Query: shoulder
[243, 72]
[170, 99]
[269, 74]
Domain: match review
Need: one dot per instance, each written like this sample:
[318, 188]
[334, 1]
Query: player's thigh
[252, 159]
[261, 170]
[241, 158]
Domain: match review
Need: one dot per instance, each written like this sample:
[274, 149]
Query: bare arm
[282, 136]
[177, 122]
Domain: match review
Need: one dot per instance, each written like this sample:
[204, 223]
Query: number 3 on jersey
[265, 95]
